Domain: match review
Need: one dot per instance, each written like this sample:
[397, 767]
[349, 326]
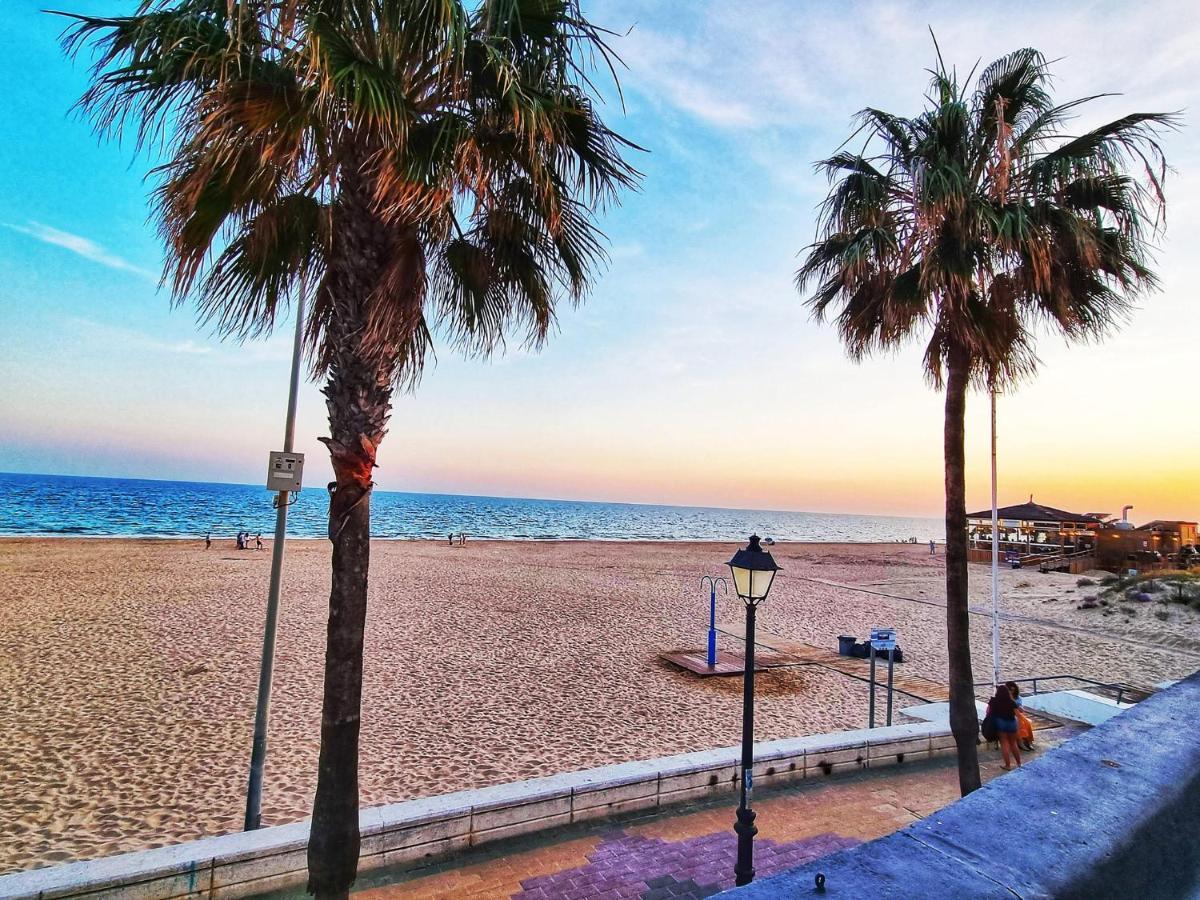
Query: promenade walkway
[689, 851]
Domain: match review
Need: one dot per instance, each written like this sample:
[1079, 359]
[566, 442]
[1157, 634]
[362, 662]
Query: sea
[65, 505]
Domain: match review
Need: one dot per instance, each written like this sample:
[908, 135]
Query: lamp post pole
[753, 570]
[745, 827]
[258, 753]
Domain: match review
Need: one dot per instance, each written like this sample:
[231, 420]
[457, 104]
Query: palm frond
[256, 273]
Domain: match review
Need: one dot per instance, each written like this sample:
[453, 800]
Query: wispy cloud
[130, 339]
[189, 347]
[626, 251]
[80, 246]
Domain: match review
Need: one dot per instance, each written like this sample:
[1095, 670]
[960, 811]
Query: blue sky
[643, 393]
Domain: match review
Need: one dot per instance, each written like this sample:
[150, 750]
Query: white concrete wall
[416, 832]
[1078, 705]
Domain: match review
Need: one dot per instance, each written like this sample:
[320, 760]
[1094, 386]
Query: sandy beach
[128, 668]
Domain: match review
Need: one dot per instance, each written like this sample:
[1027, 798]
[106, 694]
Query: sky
[693, 374]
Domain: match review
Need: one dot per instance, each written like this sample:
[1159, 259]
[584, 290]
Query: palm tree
[425, 163]
[971, 225]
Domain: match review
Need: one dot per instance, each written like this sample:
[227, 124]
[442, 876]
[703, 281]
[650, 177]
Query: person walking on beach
[208, 540]
[241, 540]
[452, 539]
[258, 542]
[1003, 710]
[932, 549]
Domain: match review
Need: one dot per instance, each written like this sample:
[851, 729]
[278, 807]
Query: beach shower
[712, 613]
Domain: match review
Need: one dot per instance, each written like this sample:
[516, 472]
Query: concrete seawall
[1112, 813]
[417, 832]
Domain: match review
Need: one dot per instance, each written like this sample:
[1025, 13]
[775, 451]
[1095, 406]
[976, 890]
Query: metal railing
[1120, 689]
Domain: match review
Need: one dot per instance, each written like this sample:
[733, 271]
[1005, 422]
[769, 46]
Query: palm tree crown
[978, 220]
[468, 134]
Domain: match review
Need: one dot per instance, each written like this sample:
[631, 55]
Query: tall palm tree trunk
[358, 398]
[964, 720]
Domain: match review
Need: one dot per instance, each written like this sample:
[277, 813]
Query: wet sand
[128, 668]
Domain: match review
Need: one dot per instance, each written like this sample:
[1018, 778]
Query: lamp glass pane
[760, 583]
[741, 581]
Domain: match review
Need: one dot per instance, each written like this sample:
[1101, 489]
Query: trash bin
[846, 644]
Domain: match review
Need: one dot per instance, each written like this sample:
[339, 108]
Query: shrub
[1162, 615]
[1084, 582]
[1152, 587]
[1109, 579]
[1180, 592]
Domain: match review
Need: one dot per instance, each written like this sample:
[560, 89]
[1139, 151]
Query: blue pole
[712, 625]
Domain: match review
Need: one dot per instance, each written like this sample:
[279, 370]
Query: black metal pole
[744, 870]
[871, 702]
[891, 663]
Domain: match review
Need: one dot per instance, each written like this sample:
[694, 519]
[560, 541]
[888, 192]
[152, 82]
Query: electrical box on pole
[285, 470]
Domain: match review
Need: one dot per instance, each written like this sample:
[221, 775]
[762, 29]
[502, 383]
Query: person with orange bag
[1024, 725]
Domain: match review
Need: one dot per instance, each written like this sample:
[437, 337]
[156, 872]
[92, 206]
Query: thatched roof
[1036, 512]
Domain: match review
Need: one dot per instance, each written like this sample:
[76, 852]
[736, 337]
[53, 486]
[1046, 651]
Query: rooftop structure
[1091, 539]
[1032, 528]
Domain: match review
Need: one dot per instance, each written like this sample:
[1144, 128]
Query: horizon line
[741, 509]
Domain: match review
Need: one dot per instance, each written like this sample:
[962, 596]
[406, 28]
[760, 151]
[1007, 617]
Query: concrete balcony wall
[1112, 813]
[417, 832]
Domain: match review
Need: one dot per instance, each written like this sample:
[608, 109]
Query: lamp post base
[743, 872]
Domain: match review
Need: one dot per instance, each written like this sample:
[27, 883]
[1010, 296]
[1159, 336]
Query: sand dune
[128, 669]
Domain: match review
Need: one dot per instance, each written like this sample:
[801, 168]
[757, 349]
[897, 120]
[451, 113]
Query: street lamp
[753, 571]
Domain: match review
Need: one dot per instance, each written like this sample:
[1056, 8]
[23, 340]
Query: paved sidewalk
[689, 851]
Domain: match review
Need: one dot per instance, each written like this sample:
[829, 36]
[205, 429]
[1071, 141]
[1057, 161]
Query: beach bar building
[1153, 545]
[1031, 529]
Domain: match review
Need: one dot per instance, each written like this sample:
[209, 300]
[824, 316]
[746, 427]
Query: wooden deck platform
[697, 661]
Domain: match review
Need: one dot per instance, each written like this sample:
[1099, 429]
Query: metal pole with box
[882, 640]
[285, 473]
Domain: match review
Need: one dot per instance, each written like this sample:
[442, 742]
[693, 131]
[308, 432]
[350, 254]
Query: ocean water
[68, 505]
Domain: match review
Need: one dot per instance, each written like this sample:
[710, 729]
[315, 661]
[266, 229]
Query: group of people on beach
[460, 539]
[1005, 721]
[243, 541]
